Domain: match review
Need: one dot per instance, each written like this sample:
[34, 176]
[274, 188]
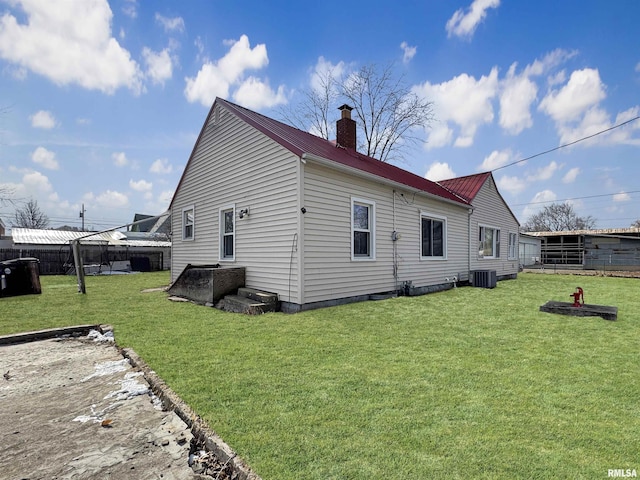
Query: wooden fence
[60, 261]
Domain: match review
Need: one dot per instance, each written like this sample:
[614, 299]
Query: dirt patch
[585, 273]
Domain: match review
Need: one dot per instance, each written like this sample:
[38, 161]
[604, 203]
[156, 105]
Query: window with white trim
[513, 246]
[488, 242]
[433, 237]
[227, 233]
[188, 223]
[363, 222]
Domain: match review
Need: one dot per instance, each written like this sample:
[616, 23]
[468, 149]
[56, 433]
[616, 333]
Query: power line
[567, 144]
[574, 198]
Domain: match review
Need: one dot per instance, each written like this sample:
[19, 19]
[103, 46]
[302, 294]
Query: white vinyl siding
[490, 210]
[233, 163]
[433, 237]
[188, 223]
[363, 229]
[329, 272]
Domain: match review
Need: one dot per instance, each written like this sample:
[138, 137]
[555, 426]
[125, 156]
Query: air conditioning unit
[484, 278]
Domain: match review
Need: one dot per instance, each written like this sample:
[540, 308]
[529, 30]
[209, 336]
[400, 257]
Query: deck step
[269, 299]
[239, 304]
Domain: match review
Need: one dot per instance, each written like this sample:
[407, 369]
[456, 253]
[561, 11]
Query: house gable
[234, 167]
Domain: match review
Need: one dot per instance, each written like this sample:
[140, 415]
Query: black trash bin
[20, 276]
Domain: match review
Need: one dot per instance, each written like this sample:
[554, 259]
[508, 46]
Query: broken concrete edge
[77, 330]
[203, 434]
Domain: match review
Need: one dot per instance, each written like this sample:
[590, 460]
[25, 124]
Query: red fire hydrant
[578, 297]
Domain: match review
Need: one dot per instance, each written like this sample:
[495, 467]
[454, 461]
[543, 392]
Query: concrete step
[239, 304]
[269, 299]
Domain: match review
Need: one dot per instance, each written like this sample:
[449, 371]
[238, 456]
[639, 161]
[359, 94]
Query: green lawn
[468, 383]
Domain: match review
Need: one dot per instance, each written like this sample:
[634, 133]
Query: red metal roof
[466, 187]
[300, 142]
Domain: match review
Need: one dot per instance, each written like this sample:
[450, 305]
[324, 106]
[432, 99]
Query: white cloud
[463, 24]
[161, 166]
[159, 203]
[159, 65]
[537, 202]
[513, 185]
[464, 101]
[496, 159]
[216, 78]
[69, 43]
[622, 197]
[175, 24]
[544, 173]
[571, 175]
[518, 93]
[407, 52]
[45, 158]
[583, 91]
[439, 171]
[549, 61]
[256, 94]
[439, 136]
[43, 119]
[140, 185]
[120, 159]
[112, 199]
[37, 182]
[130, 8]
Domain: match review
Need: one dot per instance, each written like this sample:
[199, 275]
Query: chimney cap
[345, 107]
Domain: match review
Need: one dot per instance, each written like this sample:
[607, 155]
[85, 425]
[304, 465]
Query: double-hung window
[488, 242]
[513, 246]
[188, 223]
[433, 237]
[363, 222]
[227, 233]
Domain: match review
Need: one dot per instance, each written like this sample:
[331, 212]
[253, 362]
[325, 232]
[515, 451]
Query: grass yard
[468, 383]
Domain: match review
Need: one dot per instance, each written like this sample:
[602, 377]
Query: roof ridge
[300, 142]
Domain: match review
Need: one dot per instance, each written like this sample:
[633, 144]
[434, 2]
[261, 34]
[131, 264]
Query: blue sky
[102, 101]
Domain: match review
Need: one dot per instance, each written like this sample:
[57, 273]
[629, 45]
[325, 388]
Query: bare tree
[388, 113]
[313, 113]
[6, 195]
[558, 217]
[636, 224]
[30, 216]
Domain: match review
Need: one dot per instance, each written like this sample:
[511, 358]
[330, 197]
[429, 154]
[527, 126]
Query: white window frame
[185, 210]
[496, 241]
[513, 246]
[371, 230]
[438, 218]
[222, 233]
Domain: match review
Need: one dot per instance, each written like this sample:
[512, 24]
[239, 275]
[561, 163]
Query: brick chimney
[346, 129]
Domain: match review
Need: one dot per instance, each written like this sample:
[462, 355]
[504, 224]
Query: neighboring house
[53, 249]
[605, 249]
[152, 224]
[529, 248]
[492, 224]
[319, 223]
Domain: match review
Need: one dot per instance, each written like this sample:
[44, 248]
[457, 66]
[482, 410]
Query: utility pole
[82, 212]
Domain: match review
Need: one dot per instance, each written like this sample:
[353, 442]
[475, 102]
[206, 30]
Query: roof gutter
[310, 157]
